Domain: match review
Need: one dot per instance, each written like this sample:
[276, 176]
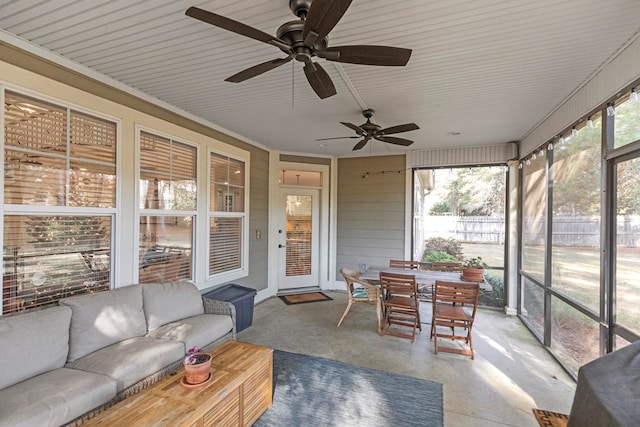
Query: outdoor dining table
[424, 278]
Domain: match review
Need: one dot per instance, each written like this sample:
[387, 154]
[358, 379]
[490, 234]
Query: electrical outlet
[258, 234]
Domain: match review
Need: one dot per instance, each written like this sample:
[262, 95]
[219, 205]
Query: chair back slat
[398, 284]
[407, 265]
[456, 293]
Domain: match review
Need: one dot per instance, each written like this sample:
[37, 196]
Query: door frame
[280, 221]
[326, 239]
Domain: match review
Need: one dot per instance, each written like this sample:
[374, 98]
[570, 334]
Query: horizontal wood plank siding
[370, 211]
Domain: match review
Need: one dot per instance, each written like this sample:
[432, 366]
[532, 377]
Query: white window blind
[227, 214]
[168, 208]
[55, 158]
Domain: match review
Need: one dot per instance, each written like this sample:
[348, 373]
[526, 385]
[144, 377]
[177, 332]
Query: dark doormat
[304, 298]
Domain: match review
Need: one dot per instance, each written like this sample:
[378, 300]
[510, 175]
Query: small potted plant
[473, 269]
[197, 366]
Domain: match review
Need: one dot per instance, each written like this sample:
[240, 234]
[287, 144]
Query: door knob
[281, 246]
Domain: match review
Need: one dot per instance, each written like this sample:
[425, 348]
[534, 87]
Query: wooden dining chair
[406, 265]
[360, 291]
[400, 304]
[454, 306]
[446, 266]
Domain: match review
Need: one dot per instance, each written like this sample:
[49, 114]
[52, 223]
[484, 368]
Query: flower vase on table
[197, 367]
[473, 269]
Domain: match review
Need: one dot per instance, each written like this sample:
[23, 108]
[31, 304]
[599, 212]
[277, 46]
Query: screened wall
[580, 235]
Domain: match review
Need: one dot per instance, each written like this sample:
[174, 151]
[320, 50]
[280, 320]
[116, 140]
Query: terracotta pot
[473, 274]
[199, 372]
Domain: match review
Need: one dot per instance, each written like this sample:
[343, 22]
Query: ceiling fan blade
[258, 69]
[362, 143]
[400, 128]
[235, 27]
[322, 17]
[356, 128]
[367, 55]
[394, 140]
[319, 80]
[338, 137]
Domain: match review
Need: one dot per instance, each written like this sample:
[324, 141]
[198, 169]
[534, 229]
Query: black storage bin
[241, 298]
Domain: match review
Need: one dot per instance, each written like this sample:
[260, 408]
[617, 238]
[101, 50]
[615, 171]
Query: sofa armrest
[212, 306]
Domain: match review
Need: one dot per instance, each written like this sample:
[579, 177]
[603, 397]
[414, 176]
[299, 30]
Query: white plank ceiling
[489, 69]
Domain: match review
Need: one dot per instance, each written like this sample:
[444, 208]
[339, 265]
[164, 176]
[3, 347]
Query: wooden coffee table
[239, 391]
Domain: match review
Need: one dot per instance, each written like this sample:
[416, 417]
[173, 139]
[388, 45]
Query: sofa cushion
[199, 330]
[170, 301]
[33, 343]
[131, 360]
[105, 318]
[54, 398]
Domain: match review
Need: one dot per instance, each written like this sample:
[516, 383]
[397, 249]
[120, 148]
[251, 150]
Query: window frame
[139, 212]
[65, 210]
[243, 271]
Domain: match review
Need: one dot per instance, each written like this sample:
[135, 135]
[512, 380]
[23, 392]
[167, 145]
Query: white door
[298, 238]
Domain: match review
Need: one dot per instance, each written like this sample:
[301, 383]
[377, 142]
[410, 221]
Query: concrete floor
[511, 373]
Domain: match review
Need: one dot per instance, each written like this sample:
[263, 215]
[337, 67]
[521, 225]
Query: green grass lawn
[575, 273]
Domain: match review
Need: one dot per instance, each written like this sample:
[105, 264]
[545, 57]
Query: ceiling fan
[371, 130]
[305, 38]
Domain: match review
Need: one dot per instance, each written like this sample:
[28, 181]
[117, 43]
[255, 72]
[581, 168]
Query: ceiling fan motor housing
[291, 33]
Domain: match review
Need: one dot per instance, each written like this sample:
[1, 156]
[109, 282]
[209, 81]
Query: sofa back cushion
[33, 343]
[170, 301]
[105, 318]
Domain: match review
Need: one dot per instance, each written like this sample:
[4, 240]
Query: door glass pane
[628, 245]
[299, 235]
[575, 264]
[294, 177]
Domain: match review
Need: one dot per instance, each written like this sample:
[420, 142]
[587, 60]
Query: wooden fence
[576, 231]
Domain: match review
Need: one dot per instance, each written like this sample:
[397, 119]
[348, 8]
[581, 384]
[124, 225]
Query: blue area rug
[311, 391]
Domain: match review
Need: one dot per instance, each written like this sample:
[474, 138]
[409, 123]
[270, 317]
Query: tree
[478, 191]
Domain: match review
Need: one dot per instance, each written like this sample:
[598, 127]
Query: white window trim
[243, 271]
[114, 213]
[161, 212]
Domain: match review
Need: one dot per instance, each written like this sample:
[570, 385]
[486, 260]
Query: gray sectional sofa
[61, 365]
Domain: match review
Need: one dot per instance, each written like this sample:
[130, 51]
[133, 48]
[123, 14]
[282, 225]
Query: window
[167, 208]
[59, 202]
[227, 217]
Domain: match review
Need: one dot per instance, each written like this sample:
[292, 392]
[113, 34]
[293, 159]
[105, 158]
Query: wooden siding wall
[258, 221]
[370, 211]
